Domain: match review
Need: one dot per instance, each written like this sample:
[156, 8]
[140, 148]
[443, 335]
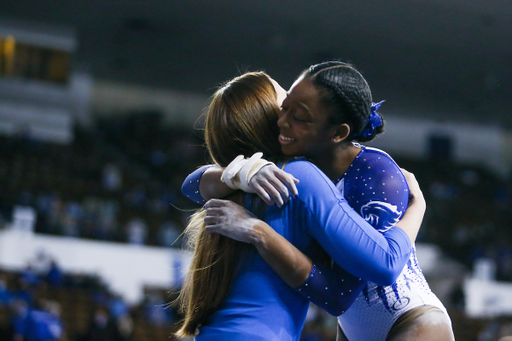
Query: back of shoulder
[379, 163]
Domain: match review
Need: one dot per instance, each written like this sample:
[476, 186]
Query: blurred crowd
[468, 212]
[42, 303]
[119, 181]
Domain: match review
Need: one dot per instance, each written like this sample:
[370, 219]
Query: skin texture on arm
[210, 185]
[192, 183]
[284, 258]
[411, 221]
[300, 273]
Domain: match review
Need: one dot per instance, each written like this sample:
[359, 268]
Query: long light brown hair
[240, 119]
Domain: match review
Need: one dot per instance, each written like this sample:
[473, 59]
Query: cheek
[314, 141]
[308, 135]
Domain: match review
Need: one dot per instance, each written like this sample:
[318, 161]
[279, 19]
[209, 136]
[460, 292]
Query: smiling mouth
[285, 139]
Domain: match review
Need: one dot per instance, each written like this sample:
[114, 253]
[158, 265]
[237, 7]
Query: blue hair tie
[373, 122]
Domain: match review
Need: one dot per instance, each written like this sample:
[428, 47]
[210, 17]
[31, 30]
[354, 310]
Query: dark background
[452, 58]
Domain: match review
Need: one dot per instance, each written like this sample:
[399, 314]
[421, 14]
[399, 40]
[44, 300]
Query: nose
[282, 120]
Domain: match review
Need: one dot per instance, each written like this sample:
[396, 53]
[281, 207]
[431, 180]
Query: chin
[289, 152]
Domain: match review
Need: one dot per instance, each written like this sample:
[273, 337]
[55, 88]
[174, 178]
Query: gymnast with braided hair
[232, 290]
[325, 116]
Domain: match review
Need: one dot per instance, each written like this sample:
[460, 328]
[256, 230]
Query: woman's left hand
[230, 219]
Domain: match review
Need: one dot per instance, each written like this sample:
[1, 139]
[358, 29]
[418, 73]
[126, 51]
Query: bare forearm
[285, 259]
[211, 186]
[411, 221]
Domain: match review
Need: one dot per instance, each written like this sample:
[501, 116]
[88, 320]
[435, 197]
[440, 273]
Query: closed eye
[299, 119]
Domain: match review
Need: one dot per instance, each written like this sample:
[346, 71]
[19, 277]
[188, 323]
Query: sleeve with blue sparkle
[376, 188]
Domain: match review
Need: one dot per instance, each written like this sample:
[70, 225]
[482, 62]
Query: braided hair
[346, 95]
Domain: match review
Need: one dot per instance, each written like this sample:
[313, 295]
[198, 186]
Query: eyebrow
[305, 107]
[301, 104]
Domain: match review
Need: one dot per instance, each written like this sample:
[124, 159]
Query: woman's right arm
[411, 221]
[204, 184]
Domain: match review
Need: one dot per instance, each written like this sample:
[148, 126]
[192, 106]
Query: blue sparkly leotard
[370, 186]
[374, 186]
[260, 306]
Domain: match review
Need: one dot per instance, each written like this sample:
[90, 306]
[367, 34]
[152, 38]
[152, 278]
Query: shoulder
[312, 180]
[376, 188]
[378, 157]
[376, 163]
[299, 165]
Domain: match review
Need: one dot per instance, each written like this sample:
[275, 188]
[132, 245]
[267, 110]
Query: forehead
[303, 91]
[303, 88]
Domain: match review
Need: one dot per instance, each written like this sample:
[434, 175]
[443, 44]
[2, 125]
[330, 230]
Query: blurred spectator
[312, 328]
[5, 295]
[48, 208]
[23, 218]
[168, 234]
[54, 276]
[502, 196]
[23, 291]
[125, 327]
[503, 261]
[70, 219]
[117, 307]
[312, 332]
[42, 262]
[54, 215]
[21, 310]
[156, 311]
[112, 178]
[29, 276]
[457, 296]
[44, 324]
[39, 324]
[101, 327]
[137, 231]
[25, 198]
[107, 220]
[469, 177]
[91, 207]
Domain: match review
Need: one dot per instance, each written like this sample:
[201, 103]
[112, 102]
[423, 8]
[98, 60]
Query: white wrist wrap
[232, 170]
[245, 169]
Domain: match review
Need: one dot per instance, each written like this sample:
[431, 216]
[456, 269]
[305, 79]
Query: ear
[341, 132]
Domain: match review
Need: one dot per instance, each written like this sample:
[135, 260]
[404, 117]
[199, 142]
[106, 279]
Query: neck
[335, 162]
